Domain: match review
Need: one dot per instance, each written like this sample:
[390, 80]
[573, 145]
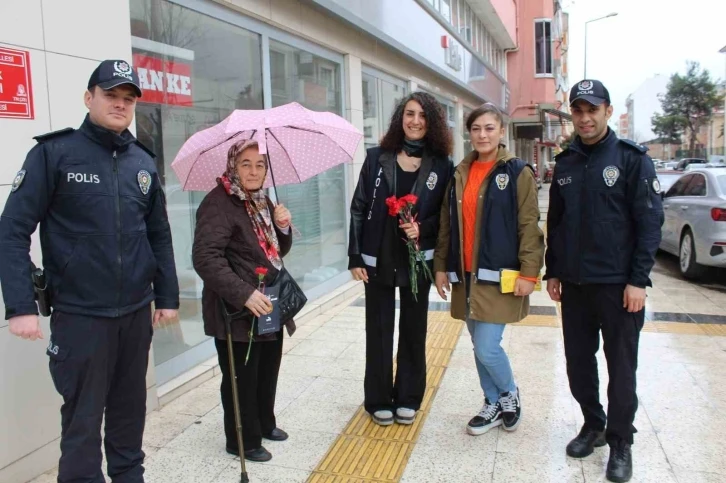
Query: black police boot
[585, 442]
[620, 464]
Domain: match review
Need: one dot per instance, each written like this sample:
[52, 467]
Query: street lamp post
[593, 20]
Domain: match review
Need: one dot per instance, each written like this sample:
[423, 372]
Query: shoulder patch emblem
[18, 180]
[502, 181]
[144, 179]
[610, 175]
[431, 182]
[656, 186]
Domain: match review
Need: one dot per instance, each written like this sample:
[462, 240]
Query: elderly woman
[238, 230]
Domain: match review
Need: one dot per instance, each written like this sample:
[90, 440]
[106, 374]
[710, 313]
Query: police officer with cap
[107, 255]
[603, 231]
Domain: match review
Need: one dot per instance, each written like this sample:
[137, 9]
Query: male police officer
[107, 253]
[603, 230]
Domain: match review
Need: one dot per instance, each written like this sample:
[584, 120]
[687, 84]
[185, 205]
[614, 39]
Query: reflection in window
[445, 9]
[697, 186]
[212, 80]
[380, 98]
[318, 205]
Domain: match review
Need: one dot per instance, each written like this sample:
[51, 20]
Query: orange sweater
[479, 171]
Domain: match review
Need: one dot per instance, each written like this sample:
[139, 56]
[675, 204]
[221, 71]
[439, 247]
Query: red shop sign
[164, 82]
[16, 88]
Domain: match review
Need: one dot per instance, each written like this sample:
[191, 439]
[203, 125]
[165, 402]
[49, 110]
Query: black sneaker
[585, 442]
[620, 464]
[489, 417]
[511, 409]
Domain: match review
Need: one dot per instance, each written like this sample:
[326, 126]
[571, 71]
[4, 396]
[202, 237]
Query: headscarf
[255, 202]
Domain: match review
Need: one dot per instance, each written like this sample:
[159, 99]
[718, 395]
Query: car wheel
[687, 257]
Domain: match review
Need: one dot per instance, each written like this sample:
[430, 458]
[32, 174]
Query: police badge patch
[610, 175]
[18, 181]
[144, 179]
[502, 181]
[431, 182]
[656, 186]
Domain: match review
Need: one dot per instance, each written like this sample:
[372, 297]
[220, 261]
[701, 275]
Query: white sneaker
[383, 417]
[405, 415]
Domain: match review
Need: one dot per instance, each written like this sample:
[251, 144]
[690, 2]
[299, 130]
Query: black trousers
[381, 392]
[256, 386]
[586, 310]
[99, 365]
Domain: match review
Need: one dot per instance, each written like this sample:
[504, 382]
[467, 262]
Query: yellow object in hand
[508, 279]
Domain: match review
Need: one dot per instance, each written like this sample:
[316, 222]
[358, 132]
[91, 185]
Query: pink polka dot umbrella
[300, 144]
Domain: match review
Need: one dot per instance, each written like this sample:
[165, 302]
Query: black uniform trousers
[256, 386]
[586, 310]
[381, 393]
[99, 365]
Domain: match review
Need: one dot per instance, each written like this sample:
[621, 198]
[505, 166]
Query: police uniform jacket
[605, 214]
[506, 236]
[104, 231]
[369, 211]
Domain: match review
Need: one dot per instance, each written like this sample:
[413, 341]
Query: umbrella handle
[272, 173]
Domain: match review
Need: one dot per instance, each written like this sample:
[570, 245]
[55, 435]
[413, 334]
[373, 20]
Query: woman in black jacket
[411, 159]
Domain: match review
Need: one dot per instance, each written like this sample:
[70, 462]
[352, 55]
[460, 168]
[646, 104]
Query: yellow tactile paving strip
[367, 452]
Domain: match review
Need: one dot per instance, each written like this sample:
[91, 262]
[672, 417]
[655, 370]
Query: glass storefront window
[380, 97]
[318, 205]
[194, 70]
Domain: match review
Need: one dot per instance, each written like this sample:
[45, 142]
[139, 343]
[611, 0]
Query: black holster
[40, 287]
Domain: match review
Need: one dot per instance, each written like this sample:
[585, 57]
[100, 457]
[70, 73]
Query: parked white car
[695, 220]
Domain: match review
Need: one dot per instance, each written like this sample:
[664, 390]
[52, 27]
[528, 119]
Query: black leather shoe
[585, 442]
[620, 464]
[260, 454]
[276, 435]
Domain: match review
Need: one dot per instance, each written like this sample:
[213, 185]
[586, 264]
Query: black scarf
[413, 149]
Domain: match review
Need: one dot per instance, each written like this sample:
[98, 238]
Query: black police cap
[589, 90]
[112, 73]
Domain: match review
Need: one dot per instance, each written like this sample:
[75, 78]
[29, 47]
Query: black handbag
[290, 302]
[292, 299]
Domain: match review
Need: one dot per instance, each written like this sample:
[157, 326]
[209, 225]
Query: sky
[647, 37]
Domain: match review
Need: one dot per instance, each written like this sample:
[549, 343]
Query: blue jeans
[492, 363]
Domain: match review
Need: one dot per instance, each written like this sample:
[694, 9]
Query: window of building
[214, 79]
[445, 9]
[381, 95]
[455, 14]
[543, 47]
[318, 205]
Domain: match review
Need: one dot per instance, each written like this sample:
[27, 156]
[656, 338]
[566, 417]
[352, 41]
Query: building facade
[642, 104]
[623, 126]
[198, 61]
[538, 79]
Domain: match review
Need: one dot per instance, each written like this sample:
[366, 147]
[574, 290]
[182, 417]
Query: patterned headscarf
[255, 202]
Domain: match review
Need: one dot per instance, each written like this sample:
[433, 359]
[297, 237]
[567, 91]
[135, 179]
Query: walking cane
[235, 399]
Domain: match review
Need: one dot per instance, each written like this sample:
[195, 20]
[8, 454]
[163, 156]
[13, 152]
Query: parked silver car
[695, 220]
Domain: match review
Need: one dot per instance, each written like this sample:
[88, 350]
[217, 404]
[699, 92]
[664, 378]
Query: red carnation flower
[261, 271]
[410, 198]
[393, 205]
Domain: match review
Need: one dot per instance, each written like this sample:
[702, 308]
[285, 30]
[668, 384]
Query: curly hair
[438, 137]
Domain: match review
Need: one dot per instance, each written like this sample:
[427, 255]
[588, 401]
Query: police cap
[112, 73]
[589, 90]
